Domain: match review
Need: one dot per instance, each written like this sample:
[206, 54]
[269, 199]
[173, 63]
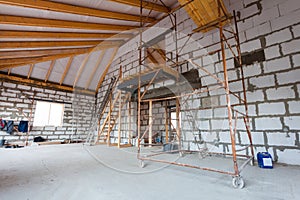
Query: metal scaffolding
[222, 84]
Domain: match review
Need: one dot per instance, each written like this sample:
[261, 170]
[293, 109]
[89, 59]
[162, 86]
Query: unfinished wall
[273, 86]
[75, 125]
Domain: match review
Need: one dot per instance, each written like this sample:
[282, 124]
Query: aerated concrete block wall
[14, 96]
[271, 28]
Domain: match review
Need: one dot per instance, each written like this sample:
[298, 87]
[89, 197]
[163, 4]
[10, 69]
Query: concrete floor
[75, 171]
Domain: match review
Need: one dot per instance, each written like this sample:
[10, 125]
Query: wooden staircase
[110, 118]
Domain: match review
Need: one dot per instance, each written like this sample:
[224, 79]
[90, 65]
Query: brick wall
[75, 124]
[273, 85]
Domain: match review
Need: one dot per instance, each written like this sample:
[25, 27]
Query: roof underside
[55, 42]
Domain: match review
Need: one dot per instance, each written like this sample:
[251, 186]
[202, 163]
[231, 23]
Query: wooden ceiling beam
[7, 63]
[72, 9]
[106, 68]
[66, 70]
[60, 35]
[36, 53]
[39, 44]
[50, 70]
[30, 70]
[30, 21]
[39, 83]
[82, 66]
[96, 66]
[146, 5]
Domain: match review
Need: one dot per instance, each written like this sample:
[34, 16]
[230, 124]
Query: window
[48, 114]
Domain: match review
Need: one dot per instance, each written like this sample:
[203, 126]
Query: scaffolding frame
[233, 113]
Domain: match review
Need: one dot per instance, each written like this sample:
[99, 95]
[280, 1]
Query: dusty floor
[99, 172]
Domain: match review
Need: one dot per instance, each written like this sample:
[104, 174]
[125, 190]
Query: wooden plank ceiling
[52, 43]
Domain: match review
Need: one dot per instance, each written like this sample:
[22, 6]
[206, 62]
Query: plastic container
[2, 142]
[264, 160]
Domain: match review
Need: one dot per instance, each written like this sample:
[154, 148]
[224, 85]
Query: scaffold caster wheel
[238, 182]
[141, 163]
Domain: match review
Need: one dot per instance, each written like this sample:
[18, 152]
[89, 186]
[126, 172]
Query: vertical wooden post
[167, 122]
[178, 129]
[129, 123]
[109, 120]
[120, 123]
[150, 123]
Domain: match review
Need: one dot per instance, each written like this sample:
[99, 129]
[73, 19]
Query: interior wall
[272, 85]
[75, 124]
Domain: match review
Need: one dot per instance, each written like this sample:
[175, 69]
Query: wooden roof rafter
[10, 63]
[36, 53]
[30, 70]
[66, 70]
[146, 5]
[44, 84]
[82, 66]
[92, 75]
[61, 35]
[39, 44]
[30, 21]
[72, 9]
[50, 70]
[106, 68]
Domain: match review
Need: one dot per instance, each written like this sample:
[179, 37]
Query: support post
[150, 123]
[109, 120]
[226, 86]
[178, 129]
[120, 123]
[167, 122]
[129, 123]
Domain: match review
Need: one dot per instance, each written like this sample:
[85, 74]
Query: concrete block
[220, 112]
[285, 21]
[9, 85]
[4, 98]
[288, 6]
[245, 24]
[8, 94]
[225, 137]
[209, 136]
[266, 15]
[270, 4]
[255, 96]
[250, 46]
[272, 52]
[252, 70]
[279, 37]
[281, 139]
[6, 104]
[257, 138]
[293, 122]
[24, 87]
[280, 93]
[268, 123]
[294, 107]
[49, 128]
[249, 11]
[263, 81]
[219, 124]
[296, 60]
[290, 47]
[205, 114]
[289, 156]
[296, 31]
[288, 77]
[271, 109]
[61, 93]
[22, 105]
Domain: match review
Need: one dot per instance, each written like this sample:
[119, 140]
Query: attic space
[145, 99]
